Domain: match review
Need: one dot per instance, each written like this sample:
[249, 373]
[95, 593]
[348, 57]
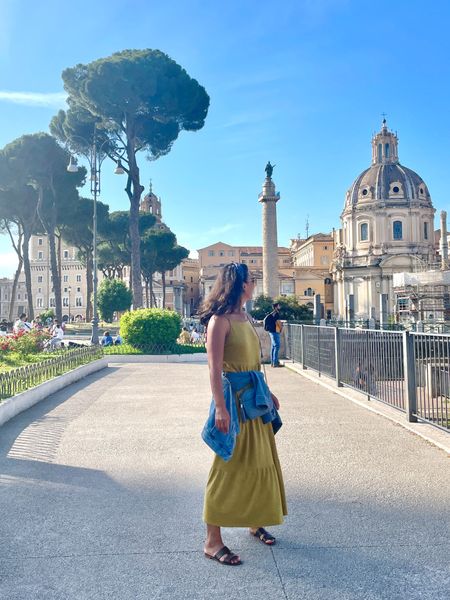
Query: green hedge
[147, 328]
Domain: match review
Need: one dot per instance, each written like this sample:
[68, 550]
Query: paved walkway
[101, 490]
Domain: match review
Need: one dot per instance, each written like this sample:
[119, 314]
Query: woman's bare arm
[218, 329]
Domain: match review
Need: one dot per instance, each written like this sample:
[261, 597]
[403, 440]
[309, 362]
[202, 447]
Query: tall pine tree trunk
[163, 281]
[151, 291]
[134, 190]
[18, 248]
[27, 271]
[54, 268]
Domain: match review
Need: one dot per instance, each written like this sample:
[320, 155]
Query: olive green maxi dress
[248, 490]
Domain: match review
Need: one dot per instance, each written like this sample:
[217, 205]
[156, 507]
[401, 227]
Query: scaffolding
[422, 296]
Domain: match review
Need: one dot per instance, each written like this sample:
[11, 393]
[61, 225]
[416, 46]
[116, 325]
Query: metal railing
[409, 371]
[21, 379]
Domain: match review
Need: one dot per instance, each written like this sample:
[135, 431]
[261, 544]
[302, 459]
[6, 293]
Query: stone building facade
[387, 228]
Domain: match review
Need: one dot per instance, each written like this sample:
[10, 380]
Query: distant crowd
[53, 329]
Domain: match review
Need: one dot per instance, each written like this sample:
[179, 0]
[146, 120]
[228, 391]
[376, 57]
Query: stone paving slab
[101, 490]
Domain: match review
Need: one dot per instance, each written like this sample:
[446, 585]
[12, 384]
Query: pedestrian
[274, 326]
[118, 340]
[107, 339]
[21, 324]
[3, 327]
[245, 485]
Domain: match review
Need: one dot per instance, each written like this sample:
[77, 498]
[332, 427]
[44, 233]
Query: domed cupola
[386, 180]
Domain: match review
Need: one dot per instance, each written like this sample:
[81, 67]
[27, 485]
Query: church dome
[386, 180]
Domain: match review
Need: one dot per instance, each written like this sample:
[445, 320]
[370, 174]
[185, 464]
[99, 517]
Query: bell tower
[385, 146]
[151, 204]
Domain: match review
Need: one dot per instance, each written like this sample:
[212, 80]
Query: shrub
[24, 342]
[113, 296]
[47, 315]
[149, 327]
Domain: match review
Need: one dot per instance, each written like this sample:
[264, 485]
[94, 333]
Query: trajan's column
[269, 198]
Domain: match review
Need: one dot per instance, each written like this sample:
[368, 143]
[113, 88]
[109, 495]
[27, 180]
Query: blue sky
[302, 83]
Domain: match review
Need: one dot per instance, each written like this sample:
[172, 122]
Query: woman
[246, 490]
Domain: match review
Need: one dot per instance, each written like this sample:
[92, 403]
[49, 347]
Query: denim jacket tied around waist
[254, 400]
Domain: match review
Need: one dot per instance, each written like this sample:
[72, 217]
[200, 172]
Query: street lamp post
[95, 158]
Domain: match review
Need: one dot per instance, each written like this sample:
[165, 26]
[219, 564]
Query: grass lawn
[12, 360]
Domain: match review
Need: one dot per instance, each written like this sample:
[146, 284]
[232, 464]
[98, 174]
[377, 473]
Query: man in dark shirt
[272, 325]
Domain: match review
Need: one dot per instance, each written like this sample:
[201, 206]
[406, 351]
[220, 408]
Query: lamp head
[72, 167]
[119, 170]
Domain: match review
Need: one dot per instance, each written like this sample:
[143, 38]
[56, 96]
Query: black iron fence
[409, 371]
[21, 379]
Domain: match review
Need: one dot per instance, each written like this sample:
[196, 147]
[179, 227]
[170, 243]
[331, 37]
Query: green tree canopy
[137, 100]
[113, 296]
[290, 308]
[37, 161]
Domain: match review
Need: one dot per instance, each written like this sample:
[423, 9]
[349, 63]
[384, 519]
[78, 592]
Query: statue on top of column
[269, 169]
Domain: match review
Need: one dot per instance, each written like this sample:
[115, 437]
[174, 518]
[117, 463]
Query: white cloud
[223, 229]
[8, 264]
[48, 100]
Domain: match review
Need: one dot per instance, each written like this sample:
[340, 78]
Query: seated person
[107, 339]
[184, 338]
[22, 325]
[57, 334]
[195, 336]
[118, 340]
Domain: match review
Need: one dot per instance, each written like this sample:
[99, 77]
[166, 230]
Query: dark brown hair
[227, 289]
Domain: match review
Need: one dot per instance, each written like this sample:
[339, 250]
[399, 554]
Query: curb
[199, 357]
[431, 434]
[16, 404]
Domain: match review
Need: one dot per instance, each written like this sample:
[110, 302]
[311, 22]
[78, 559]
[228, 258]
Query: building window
[40, 255]
[52, 303]
[364, 232]
[230, 252]
[79, 278]
[66, 278]
[39, 303]
[386, 150]
[78, 289]
[78, 301]
[327, 281]
[425, 231]
[325, 247]
[66, 254]
[397, 230]
[39, 241]
[18, 296]
[380, 152]
[65, 290]
[309, 292]
[39, 278]
[210, 252]
[221, 253]
[40, 290]
[65, 301]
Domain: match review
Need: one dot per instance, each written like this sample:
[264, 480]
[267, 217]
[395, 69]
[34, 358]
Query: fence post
[337, 354]
[409, 371]
[303, 347]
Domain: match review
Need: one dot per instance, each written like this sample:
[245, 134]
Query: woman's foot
[263, 535]
[222, 554]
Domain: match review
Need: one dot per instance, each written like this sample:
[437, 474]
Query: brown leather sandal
[229, 556]
[266, 538]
